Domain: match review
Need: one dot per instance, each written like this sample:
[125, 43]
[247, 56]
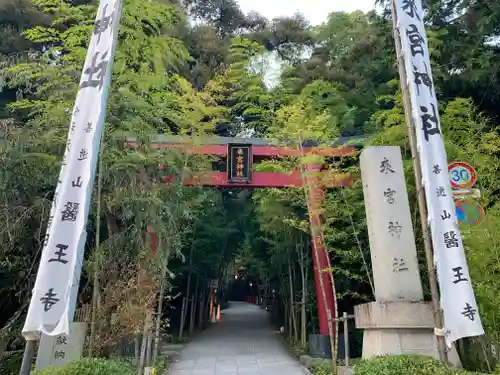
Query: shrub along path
[243, 343]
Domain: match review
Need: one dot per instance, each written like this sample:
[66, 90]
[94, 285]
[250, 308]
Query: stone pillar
[399, 321]
[316, 195]
[60, 350]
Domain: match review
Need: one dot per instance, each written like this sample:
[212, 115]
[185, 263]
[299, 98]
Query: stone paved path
[243, 343]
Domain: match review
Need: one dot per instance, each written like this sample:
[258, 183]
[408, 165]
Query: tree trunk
[292, 302]
[257, 285]
[3, 347]
[267, 290]
[137, 353]
[295, 311]
[112, 224]
[193, 307]
[149, 347]
[207, 306]
[303, 276]
[333, 330]
[201, 310]
[140, 365]
[185, 300]
[183, 315]
[159, 312]
[286, 323]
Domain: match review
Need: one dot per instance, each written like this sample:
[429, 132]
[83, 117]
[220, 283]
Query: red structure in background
[153, 240]
[252, 299]
[240, 154]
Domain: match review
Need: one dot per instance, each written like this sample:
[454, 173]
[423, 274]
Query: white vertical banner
[61, 261]
[461, 316]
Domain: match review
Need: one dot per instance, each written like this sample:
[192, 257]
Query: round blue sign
[469, 212]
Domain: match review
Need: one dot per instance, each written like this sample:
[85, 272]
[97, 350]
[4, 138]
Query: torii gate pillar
[321, 260]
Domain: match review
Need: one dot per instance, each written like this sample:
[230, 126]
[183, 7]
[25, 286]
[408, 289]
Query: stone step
[169, 353]
[171, 350]
[343, 370]
[172, 346]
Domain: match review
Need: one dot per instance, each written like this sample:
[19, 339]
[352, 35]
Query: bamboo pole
[159, 313]
[346, 338]
[137, 351]
[142, 358]
[193, 306]
[292, 299]
[149, 347]
[303, 316]
[96, 286]
[202, 310]
[330, 318]
[185, 300]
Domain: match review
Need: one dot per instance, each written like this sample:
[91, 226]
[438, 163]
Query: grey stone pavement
[242, 343]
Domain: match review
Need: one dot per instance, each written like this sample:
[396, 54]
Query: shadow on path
[243, 343]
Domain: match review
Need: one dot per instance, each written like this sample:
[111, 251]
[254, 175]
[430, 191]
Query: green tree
[249, 106]
[225, 15]
[355, 53]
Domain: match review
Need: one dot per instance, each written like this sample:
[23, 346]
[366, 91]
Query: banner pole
[29, 354]
[422, 206]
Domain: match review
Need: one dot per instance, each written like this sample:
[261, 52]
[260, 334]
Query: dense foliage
[400, 365]
[229, 74]
[93, 366]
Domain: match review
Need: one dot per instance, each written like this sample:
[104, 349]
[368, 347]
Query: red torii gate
[240, 154]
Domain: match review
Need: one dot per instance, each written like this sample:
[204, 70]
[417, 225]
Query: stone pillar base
[319, 346]
[392, 328]
[60, 350]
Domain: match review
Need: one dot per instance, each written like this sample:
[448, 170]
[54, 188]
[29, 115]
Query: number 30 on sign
[462, 175]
